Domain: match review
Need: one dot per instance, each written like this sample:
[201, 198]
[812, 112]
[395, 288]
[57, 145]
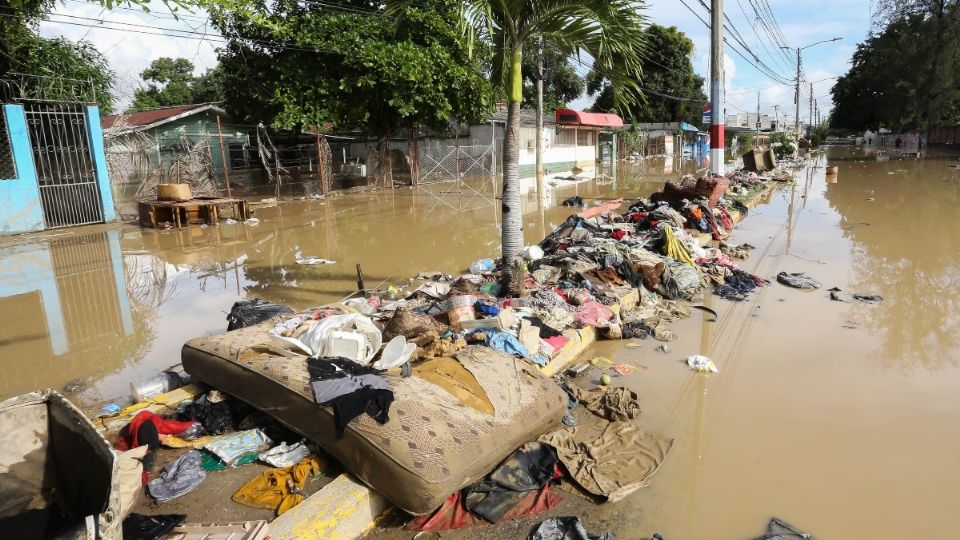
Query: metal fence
[450, 163]
[65, 172]
[87, 289]
[458, 176]
[8, 168]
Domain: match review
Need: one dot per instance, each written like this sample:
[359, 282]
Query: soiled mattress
[431, 446]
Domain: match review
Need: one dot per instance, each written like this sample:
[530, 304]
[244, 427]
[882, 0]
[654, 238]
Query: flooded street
[96, 308]
[837, 417]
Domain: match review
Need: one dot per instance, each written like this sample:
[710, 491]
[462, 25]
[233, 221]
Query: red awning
[570, 117]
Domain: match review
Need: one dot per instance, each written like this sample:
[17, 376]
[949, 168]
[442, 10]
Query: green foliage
[56, 68]
[171, 82]
[633, 140]
[782, 144]
[561, 83]
[906, 76]
[744, 142]
[373, 73]
[611, 31]
[818, 134]
[667, 69]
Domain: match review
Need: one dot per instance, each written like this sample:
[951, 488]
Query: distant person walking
[898, 142]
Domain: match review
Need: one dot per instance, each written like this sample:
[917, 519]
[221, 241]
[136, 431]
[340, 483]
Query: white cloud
[131, 50]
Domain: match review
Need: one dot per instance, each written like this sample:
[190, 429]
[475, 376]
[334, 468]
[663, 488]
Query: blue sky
[801, 21]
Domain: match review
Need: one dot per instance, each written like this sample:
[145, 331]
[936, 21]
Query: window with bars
[8, 169]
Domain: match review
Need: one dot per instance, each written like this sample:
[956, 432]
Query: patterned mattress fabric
[430, 447]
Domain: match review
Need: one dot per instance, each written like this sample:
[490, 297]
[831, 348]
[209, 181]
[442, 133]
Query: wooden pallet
[181, 214]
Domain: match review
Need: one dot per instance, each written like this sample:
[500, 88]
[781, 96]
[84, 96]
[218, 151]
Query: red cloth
[594, 314]
[556, 342]
[618, 234]
[453, 514]
[164, 426]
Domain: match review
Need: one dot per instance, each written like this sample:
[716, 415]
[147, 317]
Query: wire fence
[8, 167]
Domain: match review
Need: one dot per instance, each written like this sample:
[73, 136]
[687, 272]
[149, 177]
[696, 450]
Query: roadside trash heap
[454, 360]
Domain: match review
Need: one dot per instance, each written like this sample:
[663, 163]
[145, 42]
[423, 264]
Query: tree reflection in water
[905, 248]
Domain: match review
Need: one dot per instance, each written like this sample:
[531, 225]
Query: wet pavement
[836, 417]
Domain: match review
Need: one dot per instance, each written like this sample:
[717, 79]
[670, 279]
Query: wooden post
[360, 286]
[223, 158]
[320, 169]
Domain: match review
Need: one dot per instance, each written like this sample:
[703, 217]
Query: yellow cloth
[279, 489]
[457, 381]
[172, 441]
[675, 249]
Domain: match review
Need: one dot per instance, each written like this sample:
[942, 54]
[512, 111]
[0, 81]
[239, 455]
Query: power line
[657, 92]
[735, 33]
[169, 32]
[761, 68]
[774, 54]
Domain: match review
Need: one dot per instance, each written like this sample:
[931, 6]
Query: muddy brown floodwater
[91, 309]
[839, 418]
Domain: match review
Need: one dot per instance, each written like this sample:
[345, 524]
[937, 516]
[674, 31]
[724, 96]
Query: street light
[796, 95]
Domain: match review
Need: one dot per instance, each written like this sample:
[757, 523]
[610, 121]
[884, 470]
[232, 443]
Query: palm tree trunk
[413, 151]
[512, 230]
[383, 161]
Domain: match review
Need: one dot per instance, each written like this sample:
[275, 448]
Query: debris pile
[617, 270]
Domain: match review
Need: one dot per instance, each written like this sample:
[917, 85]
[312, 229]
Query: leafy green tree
[50, 68]
[171, 82]
[906, 75]
[611, 31]
[675, 90]
[355, 68]
[561, 83]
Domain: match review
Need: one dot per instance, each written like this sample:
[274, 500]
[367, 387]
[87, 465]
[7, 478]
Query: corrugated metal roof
[580, 118]
[142, 119]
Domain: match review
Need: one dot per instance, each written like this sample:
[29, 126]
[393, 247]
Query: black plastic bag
[565, 528]
[250, 312]
[141, 527]
[777, 529]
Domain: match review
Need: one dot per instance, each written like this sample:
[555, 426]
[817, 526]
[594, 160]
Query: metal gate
[65, 172]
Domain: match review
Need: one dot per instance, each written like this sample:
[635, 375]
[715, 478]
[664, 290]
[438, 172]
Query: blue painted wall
[20, 209]
[95, 134]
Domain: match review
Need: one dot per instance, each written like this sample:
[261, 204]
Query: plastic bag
[285, 456]
[482, 265]
[249, 312]
[701, 363]
[314, 341]
[565, 528]
[798, 280]
[230, 448]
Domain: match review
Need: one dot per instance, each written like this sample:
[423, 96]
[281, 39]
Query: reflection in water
[64, 311]
[899, 216]
[114, 307]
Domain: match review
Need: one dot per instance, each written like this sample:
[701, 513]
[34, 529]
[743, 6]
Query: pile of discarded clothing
[215, 432]
[604, 456]
[391, 363]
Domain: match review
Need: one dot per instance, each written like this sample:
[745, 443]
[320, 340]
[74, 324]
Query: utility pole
[796, 100]
[796, 94]
[776, 116]
[810, 124]
[716, 88]
[540, 119]
[758, 113]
